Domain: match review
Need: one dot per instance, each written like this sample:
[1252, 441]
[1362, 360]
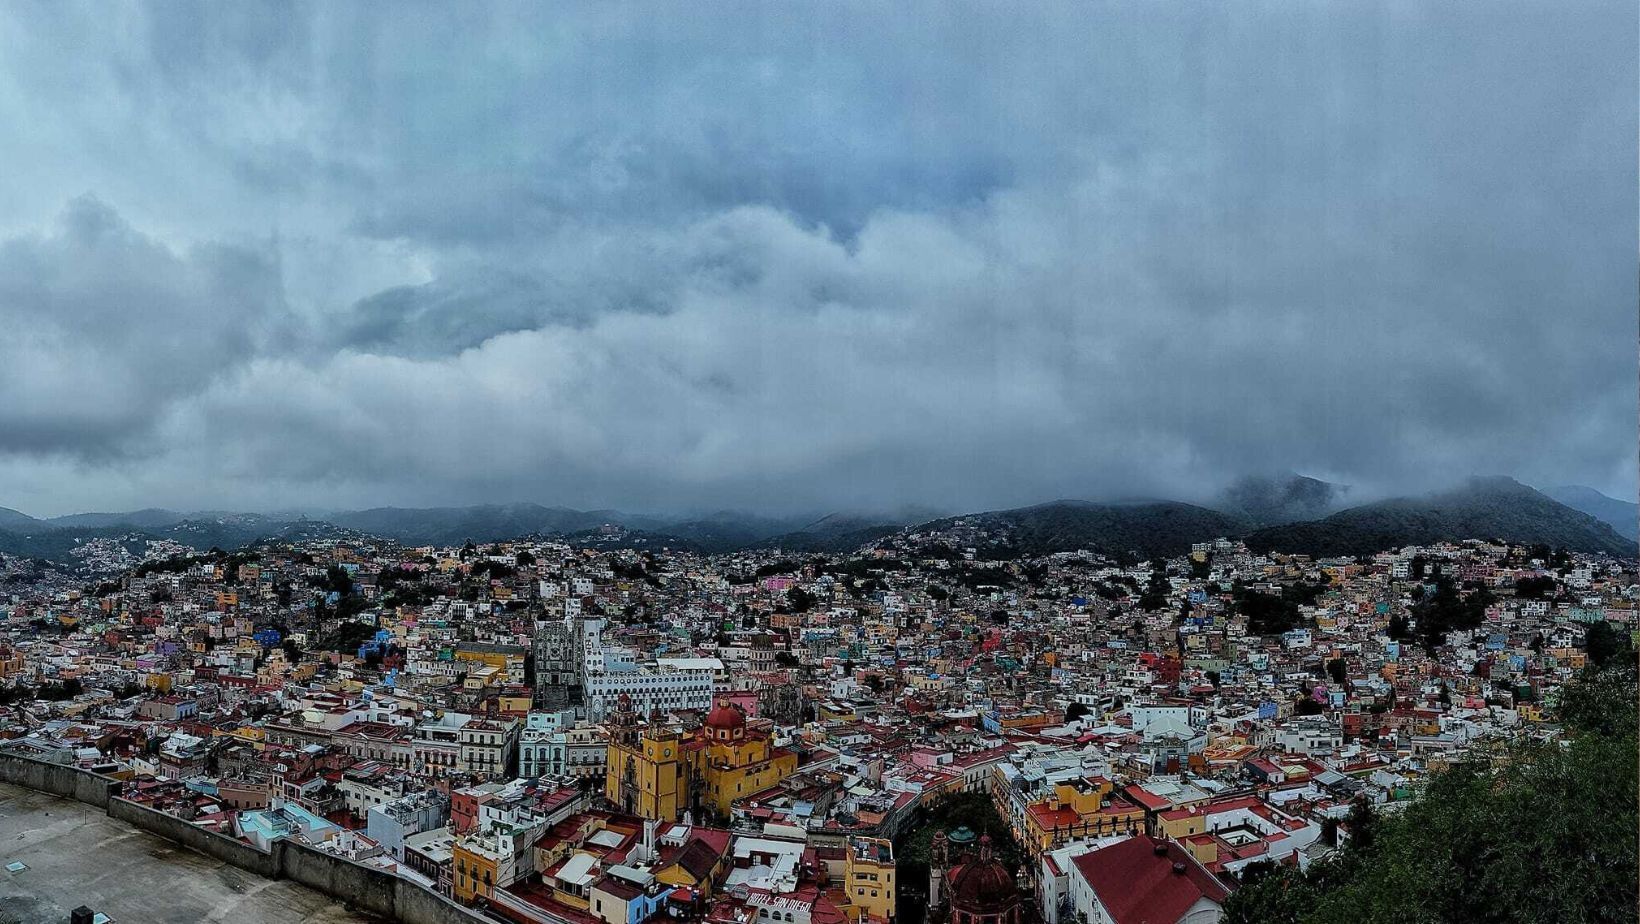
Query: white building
[553, 745]
[651, 688]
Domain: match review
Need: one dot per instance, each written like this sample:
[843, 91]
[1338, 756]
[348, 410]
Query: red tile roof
[1139, 886]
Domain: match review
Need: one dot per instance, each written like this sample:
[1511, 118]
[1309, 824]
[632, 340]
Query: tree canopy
[1446, 610]
[1533, 831]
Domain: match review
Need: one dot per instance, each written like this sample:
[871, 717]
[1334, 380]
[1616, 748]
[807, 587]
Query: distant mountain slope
[728, 531]
[150, 518]
[723, 531]
[56, 545]
[1623, 516]
[235, 531]
[843, 532]
[15, 520]
[1271, 500]
[1484, 508]
[228, 533]
[1149, 528]
[481, 523]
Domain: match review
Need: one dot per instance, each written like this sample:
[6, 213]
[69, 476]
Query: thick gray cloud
[795, 257]
[106, 327]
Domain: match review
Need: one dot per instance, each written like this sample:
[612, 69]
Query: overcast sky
[805, 256]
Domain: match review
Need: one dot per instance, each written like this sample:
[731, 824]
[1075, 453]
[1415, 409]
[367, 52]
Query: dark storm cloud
[814, 256]
[105, 327]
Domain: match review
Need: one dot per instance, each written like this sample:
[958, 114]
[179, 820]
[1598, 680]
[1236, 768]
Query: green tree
[801, 601]
[1535, 588]
[973, 810]
[1604, 644]
[1270, 614]
[338, 580]
[1156, 591]
[1446, 610]
[1528, 832]
[1338, 669]
[1601, 702]
[1399, 629]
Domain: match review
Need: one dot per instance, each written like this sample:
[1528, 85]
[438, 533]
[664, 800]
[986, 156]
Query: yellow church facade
[656, 772]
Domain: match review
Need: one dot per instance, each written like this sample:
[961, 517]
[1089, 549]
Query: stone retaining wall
[366, 888]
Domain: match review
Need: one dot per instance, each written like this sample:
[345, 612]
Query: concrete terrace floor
[77, 855]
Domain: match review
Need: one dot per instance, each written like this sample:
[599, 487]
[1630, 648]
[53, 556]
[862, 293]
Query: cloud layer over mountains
[813, 257]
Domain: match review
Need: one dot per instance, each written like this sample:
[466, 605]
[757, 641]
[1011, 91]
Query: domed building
[656, 772]
[725, 723]
[971, 889]
[730, 758]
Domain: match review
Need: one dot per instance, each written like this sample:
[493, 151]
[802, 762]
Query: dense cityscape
[909, 732]
[950, 462]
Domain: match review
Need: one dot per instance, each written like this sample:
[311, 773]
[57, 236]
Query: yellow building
[1077, 809]
[836, 711]
[506, 660]
[695, 869]
[655, 772]
[474, 866]
[1574, 658]
[513, 703]
[927, 682]
[868, 879]
[645, 774]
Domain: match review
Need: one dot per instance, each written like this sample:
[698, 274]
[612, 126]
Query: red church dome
[983, 891]
[725, 717]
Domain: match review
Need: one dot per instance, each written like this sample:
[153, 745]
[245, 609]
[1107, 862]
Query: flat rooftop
[76, 855]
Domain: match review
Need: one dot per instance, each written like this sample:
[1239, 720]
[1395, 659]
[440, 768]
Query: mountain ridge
[1485, 507]
[1273, 500]
[1255, 510]
[1148, 527]
[1623, 516]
